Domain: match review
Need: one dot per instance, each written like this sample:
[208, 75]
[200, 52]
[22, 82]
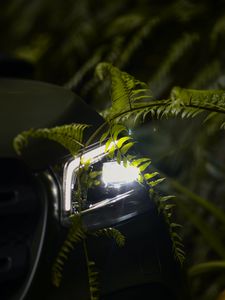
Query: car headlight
[116, 197]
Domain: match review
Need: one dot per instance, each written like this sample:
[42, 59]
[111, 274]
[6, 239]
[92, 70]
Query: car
[36, 206]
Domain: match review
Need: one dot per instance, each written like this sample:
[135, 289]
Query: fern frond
[186, 103]
[124, 24]
[136, 41]
[218, 29]
[75, 235]
[126, 92]
[89, 64]
[117, 146]
[186, 10]
[165, 208]
[112, 233]
[93, 280]
[207, 74]
[69, 136]
[209, 100]
[115, 49]
[177, 50]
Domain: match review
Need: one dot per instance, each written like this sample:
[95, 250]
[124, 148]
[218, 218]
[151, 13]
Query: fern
[189, 103]
[117, 148]
[75, 235]
[115, 52]
[128, 93]
[91, 63]
[165, 209]
[206, 75]
[136, 41]
[93, 281]
[69, 136]
[131, 102]
[112, 233]
[218, 29]
[177, 50]
[124, 24]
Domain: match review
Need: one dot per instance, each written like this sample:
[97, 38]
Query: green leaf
[69, 136]
[104, 136]
[111, 151]
[118, 157]
[155, 182]
[150, 175]
[107, 145]
[117, 129]
[126, 148]
[75, 235]
[138, 162]
[122, 140]
[112, 233]
[94, 174]
[167, 198]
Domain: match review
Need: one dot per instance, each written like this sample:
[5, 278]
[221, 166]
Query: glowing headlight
[117, 196]
[114, 173]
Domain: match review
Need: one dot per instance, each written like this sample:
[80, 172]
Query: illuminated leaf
[122, 140]
[126, 148]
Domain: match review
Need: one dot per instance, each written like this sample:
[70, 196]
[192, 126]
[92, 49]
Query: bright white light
[114, 173]
[68, 181]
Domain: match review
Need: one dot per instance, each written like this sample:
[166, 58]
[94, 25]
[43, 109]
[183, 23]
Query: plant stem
[218, 214]
[206, 267]
[88, 268]
[95, 134]
[209, 235]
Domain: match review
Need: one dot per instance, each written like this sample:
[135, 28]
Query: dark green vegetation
[165, 44]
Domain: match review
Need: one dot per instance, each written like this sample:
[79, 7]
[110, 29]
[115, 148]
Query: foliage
[75, 235]
[69, 136]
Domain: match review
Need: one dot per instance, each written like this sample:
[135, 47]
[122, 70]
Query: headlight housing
[110, 192]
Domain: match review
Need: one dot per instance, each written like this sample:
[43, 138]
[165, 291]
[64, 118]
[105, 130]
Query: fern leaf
[166, 198]
[112, 233]
[161, 203]
[178, 49]
[126, 148]
[156, 182]
[218, 29]
[93, 280]
[75, 235]
[206, 75]
[69, 136]
[144, 166]
[124, 24]
[104, 136]
[108, 144]
[122, 140]
[124, 90]
[116, 129]
[138, 162]
[211, 100]
[150, 175]
[111, 151]
[136, 41]
[90, 64]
